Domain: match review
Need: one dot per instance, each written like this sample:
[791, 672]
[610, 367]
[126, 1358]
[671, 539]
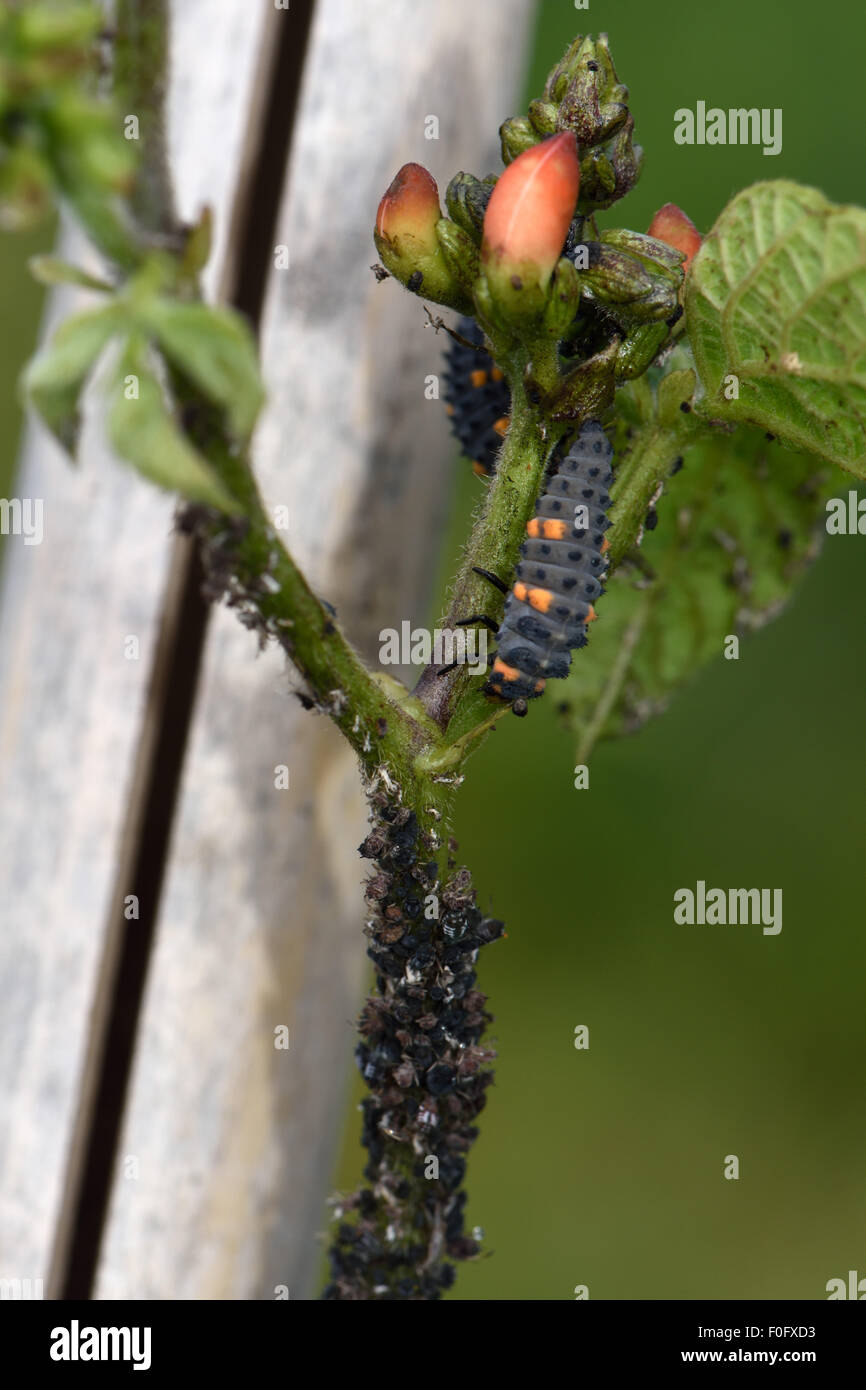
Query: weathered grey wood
[71, 705]
[262, 913]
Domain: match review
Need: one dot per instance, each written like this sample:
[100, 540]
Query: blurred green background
[20, 298]
[605, 1167]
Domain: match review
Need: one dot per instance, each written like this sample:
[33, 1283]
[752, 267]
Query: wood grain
[72, 707]
[262, 917]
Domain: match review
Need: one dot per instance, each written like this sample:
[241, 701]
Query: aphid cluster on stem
[421, 1057]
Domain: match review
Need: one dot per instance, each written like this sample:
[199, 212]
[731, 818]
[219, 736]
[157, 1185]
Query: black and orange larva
[559, 575]
[478, 399]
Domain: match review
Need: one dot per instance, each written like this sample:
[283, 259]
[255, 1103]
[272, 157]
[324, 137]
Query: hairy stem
[613, 685]
[638, 480]
[140, 74]
[248, 564]
[494, 546]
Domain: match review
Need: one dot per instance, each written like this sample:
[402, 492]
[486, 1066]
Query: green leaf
[69, 26]
[49, 270]
[25, 189]
[777, 298]
[736, 527]
[56, 376]
[213, 347]
[197, 248]
[143, 432]
[675, 390]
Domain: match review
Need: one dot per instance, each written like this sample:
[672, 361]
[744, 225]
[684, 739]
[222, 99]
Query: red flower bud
[530, 209]
[407, 240]
[671, 225]
[410, 208]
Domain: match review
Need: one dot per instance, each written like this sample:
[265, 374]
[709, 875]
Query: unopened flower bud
[672, 226]
[526, 224]
[610, 171]
[593, 104]
[406, 237]
[583, 95]
[631, 289]
[597, 181]
[564, 300]
[542, 117]
[516, 136]
[460, 252]
[626, 158]
[466, 199]
[647, 248]
[559, 77]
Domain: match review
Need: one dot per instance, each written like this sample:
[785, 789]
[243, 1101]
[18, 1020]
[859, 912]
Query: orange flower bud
[410, 209]
[672, 226]
[407, 241]
[530, 209]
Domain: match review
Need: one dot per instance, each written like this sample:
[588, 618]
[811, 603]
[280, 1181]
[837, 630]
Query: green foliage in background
[56, 134]
[61, 139]
[21, 298]
[778, 297]
[737, 532]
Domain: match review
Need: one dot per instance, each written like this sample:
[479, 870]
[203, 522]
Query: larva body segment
[560, 573]
[477, 399]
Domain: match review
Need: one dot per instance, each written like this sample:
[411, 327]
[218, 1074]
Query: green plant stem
[270, 582]
[494, 545]
[639, 477]
[613, 685]
[386, 728]
[141, 62]
[245, 559]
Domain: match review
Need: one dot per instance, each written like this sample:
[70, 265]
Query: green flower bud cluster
[466, 199]
[514, 249]
[583, 95]
[632, 277]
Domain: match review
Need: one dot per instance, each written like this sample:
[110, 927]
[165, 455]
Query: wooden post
[227, 1147]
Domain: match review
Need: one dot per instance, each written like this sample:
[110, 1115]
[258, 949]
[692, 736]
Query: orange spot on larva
[540, 600]
[547, 527]
[510, 673]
